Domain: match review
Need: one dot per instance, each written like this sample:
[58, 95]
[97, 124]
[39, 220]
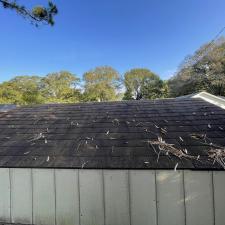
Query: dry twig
[169, 149]
[218, 155]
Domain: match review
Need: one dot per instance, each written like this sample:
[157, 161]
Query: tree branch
[38, 14]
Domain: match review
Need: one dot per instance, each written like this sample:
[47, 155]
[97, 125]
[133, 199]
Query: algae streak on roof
[161, 134]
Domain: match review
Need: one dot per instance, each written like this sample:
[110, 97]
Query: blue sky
[124, 34]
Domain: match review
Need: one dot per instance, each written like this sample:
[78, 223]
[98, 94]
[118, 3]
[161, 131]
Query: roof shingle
[115, 135]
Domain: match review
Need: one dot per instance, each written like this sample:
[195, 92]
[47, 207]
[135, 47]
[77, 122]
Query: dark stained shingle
[113, 135]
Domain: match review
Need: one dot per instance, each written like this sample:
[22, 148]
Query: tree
[54, 84]
[21, 90]
[205, 74]
[154, 89]
[37, 15]
[101, 84]
[29, 87]
[60, 87]
[9, 94]
[54, 88]
[142, 83]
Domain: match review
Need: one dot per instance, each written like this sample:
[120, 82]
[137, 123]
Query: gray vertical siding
[199, 198]
[142, 197]
[112, 197]
[21, 196]
[170, 194]
[116, 197]
[91, 187]
[44, 202]
[5, 197]
[219, 197]
[67, 197]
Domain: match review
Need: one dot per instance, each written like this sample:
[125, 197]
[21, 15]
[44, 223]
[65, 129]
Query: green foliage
[101, 84]
[54, 88]
[39, 11]
[29, 88]
[155, 89]
[205, 74]
[9, 94]
[21, 90]
[142, 83]
[37, 15]
[60, 87]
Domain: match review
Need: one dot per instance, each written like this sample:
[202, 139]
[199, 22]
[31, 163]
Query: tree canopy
[37, 15]
[60, 87]
[142, 83]
[205, 74]
[101, 84]
[21, 90]
[205, 70]
[54, 88]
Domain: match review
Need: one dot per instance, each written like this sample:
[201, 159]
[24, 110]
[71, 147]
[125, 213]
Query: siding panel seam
[78, 184]
[156, 199]
[129, 195]
[184, 194]
[32, 196]
[213, 199]
[10, 195]
[54, 179]
[103, 193]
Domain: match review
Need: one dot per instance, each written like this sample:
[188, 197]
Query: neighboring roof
[6, 107]
[216, 100]
[186, 133]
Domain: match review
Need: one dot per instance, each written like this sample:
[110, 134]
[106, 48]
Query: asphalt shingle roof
[118, 135]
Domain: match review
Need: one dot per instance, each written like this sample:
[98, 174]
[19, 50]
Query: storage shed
[157, 162]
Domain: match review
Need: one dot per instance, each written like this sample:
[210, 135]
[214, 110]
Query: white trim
[211, 98]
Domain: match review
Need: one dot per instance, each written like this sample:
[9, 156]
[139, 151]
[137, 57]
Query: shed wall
[111, 197]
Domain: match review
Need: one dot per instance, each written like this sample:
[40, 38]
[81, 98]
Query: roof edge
[211, 99]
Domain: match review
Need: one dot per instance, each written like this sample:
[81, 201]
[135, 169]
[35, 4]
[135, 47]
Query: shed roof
[186, 133]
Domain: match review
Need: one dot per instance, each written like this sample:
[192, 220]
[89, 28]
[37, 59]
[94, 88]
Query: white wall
[112, 197]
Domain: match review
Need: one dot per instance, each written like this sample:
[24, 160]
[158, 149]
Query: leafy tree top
[37, 15]
[101, 74]
[135, 79]
[205, 74]
[101, 84]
